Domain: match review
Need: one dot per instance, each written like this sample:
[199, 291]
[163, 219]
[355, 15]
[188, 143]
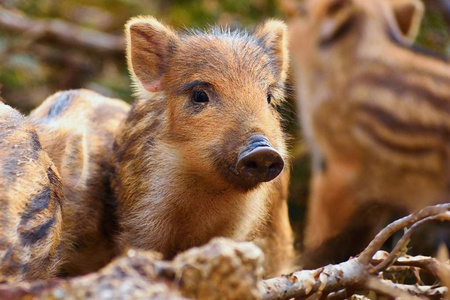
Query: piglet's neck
[197, 213]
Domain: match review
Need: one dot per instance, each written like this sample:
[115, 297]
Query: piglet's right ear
[338, 15]
[149, 43]
[406, 18]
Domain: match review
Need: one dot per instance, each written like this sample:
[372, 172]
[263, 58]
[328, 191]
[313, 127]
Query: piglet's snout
[259, 161]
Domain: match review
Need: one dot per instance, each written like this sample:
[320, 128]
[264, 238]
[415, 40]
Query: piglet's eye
[200, 97]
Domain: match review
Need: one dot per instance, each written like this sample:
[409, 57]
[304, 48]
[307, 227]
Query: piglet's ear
[337, 18]
[149, 44]
[405, 20]
[273, 36]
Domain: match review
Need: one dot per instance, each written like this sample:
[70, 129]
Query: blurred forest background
[52, 45]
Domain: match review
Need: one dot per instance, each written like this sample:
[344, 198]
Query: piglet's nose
[259, 161]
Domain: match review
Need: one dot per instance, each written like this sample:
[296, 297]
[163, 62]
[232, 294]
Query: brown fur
[174, 159]
[376, 113]
[173, 171]
[77, 131]
[30, 202]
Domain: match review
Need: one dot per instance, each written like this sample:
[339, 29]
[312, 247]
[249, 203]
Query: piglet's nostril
[252, 165]
[275, 167]
[259, 161]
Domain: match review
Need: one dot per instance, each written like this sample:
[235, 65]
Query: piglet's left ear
[273, 36]
[148, 48]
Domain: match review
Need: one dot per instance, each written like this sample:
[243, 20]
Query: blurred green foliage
[32, 69]
[435, 31]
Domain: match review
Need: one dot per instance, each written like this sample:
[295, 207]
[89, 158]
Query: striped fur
[175, 161]
[374, 109]
[161, 175]
[77, 130]
[30, 203]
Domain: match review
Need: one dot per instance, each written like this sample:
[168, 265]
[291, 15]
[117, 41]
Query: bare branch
[64, 32]
[427, 263]
[355, 272]
[382, 287]
[395, 226]
[302, 284]
[403, 291]
[227, 269]
[341, 295]
[441, 217]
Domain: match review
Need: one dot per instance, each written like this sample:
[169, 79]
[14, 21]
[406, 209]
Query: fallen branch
[404, 291]
[224, 269]
[432, 265]
[359, 272]
[389, 259]
[302, 284]
[385, 288]
[64, 32]
[395, 226]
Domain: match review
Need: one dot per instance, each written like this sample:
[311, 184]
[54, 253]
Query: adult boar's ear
[272, 35]
[404, 18]
[149, 44]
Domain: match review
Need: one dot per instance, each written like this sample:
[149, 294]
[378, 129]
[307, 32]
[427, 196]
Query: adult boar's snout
[259, 161]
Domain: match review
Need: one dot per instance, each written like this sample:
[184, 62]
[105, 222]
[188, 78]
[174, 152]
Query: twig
[429, 264]
[302, 284]
[403, 291]
[402, 269]
[441, 217]
[341, 295]
[383, 287]
[354, 273]
[395, 226]
[64, 32]
[430, 292]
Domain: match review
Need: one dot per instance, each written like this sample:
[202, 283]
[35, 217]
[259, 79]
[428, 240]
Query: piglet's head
[332, 33]
[220, 90]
